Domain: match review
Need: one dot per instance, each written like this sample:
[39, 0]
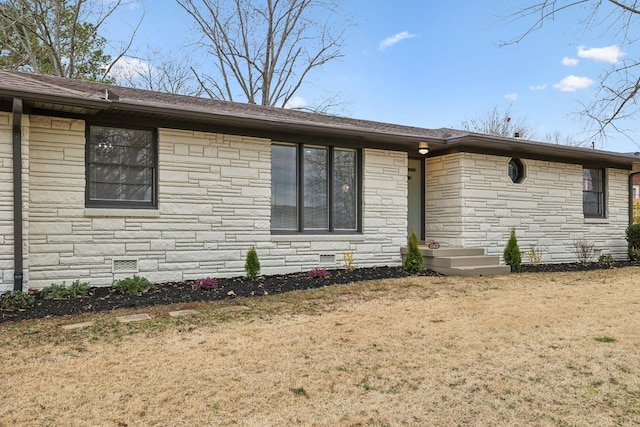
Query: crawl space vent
[125, 265]
[327, 259]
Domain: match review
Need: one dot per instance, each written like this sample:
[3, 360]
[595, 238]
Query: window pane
[592, 204]
[121, 164]
[284, 188]
[316, 204]
[344, 190]
[593, 192]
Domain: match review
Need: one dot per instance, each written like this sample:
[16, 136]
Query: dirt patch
[526, 349]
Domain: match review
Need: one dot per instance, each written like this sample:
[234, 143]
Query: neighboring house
[111, 181]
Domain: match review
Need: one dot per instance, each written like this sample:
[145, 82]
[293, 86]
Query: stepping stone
[181, 313]
[234, 308]
[133, 318]
[77, 326]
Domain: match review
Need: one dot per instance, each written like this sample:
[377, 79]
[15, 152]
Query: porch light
[423, 148]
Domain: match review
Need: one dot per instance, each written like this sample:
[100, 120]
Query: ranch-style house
[101, 182]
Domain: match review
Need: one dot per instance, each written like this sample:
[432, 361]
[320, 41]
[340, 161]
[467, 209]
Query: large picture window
[121, 167]
[314, 189]
[593, 194]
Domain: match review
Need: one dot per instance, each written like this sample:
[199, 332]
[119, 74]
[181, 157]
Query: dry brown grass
[508, 350]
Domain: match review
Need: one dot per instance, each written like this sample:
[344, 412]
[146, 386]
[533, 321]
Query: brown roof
[52, 95]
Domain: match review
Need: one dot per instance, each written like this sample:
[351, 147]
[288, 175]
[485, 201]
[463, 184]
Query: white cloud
[511, 97]
[296, 102]
[611, 54]
[129, 67]
[538, 87]
[390, 41]
[573, 83]
[570, 62]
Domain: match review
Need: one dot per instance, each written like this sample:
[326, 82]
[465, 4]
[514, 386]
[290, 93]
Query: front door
[416, 198]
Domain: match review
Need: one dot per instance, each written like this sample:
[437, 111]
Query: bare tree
[556, 137]
[157, 71]
[499, 123]
[58, 37]
[264, 50]
[617, 94]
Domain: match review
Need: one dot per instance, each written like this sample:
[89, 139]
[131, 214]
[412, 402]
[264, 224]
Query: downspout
[18, 251]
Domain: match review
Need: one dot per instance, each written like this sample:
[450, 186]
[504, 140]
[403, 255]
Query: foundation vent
[125, 265]
[327, 259]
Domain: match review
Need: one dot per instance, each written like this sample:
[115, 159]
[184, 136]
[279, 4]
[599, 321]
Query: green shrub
[132, 285]
[78, 289]
[252, 265]
[605, 259]
[633, 237]
[413, 260]
[56, 291]
[16, 300]
[512, 252]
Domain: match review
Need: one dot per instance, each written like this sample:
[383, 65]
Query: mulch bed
[105, 298]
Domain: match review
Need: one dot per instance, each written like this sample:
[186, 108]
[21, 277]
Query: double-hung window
[314, 188]
[593, 193]
[121, 167]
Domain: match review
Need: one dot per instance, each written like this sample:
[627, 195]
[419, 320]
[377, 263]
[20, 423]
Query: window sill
[317, 237]
[121, 213]
[588, 220]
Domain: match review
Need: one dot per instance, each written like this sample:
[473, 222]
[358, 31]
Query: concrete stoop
[452, 261]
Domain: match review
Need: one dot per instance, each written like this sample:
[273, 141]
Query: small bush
[252, 265]
[535, 255]
[511, 252]
[347, 259]
[16, 300]
[318, 273]
[605, 259]
[77, 289]
[132, 285]
[55, 291]
[583, 250]
[413, 260]
[633, 237]
[208, 284]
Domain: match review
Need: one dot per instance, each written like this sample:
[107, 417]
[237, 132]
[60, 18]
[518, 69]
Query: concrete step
[462, 261]
[451, 251]
[474, 271]
[445, 251]
[455, 261]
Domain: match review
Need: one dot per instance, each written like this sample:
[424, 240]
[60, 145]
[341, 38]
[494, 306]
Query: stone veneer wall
[214, 204]
[471, 202]
[6, 203]
[6, 199]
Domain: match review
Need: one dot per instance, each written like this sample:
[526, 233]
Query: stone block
[108, 224]
[133, 318]
[183, 313]
[74, 326]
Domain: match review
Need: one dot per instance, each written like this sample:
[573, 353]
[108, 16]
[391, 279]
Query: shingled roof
[42, 94]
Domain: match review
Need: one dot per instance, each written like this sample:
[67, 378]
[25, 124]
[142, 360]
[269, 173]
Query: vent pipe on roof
[18, 252]
[111, 96]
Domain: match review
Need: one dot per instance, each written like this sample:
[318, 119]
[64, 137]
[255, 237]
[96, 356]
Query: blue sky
[434, 64]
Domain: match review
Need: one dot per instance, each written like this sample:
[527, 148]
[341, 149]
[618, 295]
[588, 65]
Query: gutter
[18, 276]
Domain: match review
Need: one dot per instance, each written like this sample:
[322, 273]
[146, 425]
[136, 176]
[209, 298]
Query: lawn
[527, 349]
